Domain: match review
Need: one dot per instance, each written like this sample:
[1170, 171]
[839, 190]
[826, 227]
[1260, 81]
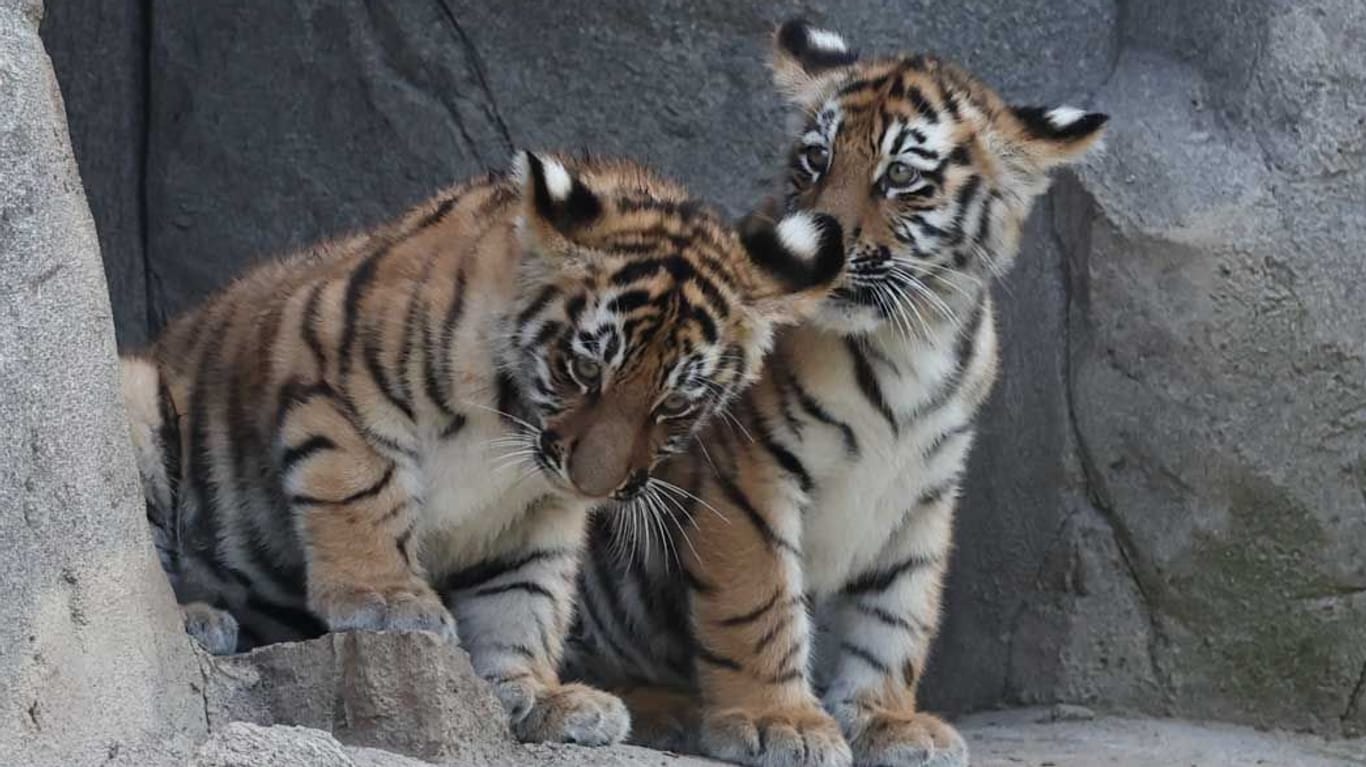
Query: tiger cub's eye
[900, 174]
[816, 157]
[585, 370]
[674, 405]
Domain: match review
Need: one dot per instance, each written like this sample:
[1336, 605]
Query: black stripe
[772, 633]
[454, 426]
[816, 411]
[590, 609]
[398, 508]
[484, 572]
[356, 284]
[438, 373]
[868, 385]
[309, 326]
[881, 580]
[537, 305]
[785, 458]
[441, 211]
[939, 442]
[704, 320]
[627, 302]
[964, 352]
[707, 656]
[303, 450]
[375, 367]
[738, 497]
[752, 615]
[886, 618]
[409, 342]
[360, 495]
[963, 199]
[921, 105]
[935, 492]
[785, 664]
[526, 587]
[865, 655]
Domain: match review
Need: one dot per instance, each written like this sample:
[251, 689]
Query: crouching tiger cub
[405, 429]
[818, 525]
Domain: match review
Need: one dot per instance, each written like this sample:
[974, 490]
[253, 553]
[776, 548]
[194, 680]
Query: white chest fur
[858, 500]
[475, 496]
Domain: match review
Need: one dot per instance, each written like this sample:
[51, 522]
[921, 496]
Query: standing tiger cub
[815, 530]
[405, 429]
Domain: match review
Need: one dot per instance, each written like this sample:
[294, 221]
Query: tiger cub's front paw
[894, 739]
[413, 606]
[784, 736]
[216, 630]
[568, 713]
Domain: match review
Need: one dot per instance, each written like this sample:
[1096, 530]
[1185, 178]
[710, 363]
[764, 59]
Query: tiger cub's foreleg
[355, 518]
[514, 614]
[883, 624]
[753, 636]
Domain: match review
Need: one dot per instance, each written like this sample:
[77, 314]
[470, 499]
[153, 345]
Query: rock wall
[1166, 512]
[94, 668]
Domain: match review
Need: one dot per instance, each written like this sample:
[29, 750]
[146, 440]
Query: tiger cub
[405, 429]
[814, 532]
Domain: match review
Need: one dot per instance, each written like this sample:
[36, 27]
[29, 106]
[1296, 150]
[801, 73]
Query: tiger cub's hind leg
[356, 518]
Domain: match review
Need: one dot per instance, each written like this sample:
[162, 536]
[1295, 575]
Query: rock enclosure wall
[1166, 511]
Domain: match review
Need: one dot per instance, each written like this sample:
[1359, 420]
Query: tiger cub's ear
[806, 60]
[1052, 137]
[797, 262]
[554, 198]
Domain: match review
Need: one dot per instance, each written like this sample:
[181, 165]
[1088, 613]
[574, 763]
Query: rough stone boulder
[410, 693]
[355, 693]
[94, 668]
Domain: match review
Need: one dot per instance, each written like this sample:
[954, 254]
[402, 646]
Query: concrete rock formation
[1166, 512]
[94, 668]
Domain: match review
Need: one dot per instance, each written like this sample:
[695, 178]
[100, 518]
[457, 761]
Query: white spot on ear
[1061, 117]
[825, 40]
[520, 166]
[800, 235]
[557, 180]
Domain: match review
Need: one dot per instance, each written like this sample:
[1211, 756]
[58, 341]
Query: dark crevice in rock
[1354, 699]
[151, 281]
[204, 669]
[1075, 252]
[476, 62]
[391, 43]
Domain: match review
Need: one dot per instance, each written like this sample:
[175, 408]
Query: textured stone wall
[94, 668]
[1166, 511]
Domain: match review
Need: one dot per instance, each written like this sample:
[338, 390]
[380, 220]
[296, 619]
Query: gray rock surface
[250, 745]
[93, 666]
[1025, 738]
[409, 693]
[359, 698]
[1166, 511]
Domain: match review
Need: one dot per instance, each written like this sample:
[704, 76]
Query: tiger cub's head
[929, 172]
[642, 314]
